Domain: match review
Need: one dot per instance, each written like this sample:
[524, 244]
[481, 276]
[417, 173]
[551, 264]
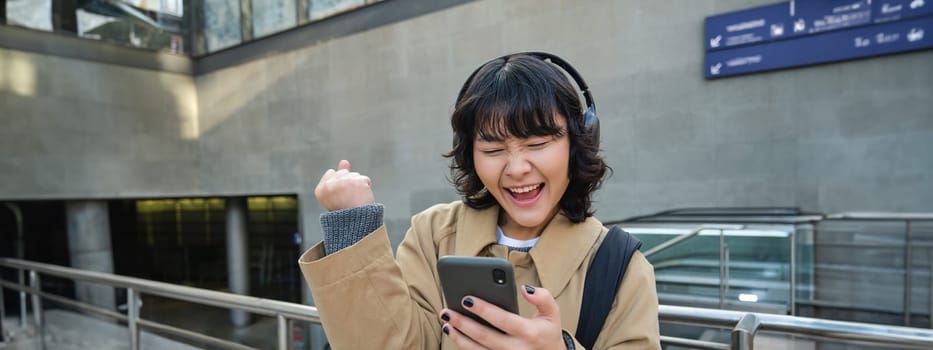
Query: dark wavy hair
[520, 95]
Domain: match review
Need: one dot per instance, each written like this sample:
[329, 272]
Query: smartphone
[490, 279]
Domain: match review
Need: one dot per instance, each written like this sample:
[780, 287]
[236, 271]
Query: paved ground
[67, 330]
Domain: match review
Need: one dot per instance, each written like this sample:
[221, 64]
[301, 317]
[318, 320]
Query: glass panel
[221, 24]
[271, 16]
[149, 26]
[688, 273]
[170, 7]
[318, 9]
[805, 266]
[164, 24]
[35, 14]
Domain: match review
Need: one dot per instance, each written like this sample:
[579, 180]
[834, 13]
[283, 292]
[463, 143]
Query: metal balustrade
[744, 325]
[135, 287]
[739, 219]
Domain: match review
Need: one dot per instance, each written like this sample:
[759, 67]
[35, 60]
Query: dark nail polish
[529, 289]
[445, 317]
[446, 330]
[468, 302]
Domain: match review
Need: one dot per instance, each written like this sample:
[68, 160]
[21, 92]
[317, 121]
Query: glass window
[35, 14]
[271, 16]
[163, 25]
[124, 23]
[221, 24]
[318, 9]
[169, 7]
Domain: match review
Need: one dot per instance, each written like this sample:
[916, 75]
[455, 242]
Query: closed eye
[491, 152]
[538, 145]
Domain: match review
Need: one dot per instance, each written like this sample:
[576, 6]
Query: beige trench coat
[369, 300]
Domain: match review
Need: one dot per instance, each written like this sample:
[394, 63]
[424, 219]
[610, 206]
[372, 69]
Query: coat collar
[563, 246]
[476, 229]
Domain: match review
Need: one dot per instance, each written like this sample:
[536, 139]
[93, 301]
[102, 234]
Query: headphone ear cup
[591, 123]
[589, 117]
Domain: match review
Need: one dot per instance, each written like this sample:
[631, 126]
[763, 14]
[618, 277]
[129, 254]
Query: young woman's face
[527, 176]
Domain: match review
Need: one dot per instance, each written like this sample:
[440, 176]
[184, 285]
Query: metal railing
[723, 253]
[696, 231]
[909, 246]
[135, 287]
[724, 258]
[744, 325]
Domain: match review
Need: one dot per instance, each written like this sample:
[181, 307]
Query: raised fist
[343, 189]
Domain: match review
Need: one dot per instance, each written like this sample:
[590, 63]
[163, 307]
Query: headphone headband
[589, 117]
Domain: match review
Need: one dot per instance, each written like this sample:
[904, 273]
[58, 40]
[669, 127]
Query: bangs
[522, 111]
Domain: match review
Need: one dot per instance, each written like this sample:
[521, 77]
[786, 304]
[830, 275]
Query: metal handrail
[696, 231]
[753, 322]
[906, 337]
[203, 296]
[283, 311]
[871, 215]
[734, 219]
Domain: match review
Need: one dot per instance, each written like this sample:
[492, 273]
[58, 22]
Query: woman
[525, 159]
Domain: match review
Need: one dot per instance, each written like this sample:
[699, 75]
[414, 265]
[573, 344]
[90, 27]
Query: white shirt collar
[502, 239]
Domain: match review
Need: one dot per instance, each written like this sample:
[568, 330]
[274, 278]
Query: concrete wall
[846, 136]
[76, 129]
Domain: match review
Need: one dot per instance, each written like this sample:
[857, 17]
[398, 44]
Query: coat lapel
[562, 250]
[476, 229]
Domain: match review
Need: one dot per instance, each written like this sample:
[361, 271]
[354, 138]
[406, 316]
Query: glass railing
[873, 267]
[876, 267]
[746, 268]
[178, 26]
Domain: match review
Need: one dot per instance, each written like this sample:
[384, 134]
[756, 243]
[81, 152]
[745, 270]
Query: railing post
[132, 316]
[722, 269]
[725, 268]
[18, 214]
[743, 335]
[283, 332]
[2, 316]
[908, 284]
[22, 299]
[36, 285]
[793, 272]
[930, 291]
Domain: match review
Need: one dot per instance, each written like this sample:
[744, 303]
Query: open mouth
[525, 194]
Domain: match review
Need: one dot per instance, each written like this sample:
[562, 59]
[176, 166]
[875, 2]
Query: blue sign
[896, 10]
[825, 15]
[787, 20]
[834, 46]
[746, 27]
[806, 32]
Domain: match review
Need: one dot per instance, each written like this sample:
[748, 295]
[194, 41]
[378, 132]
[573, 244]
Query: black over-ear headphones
[589, 116]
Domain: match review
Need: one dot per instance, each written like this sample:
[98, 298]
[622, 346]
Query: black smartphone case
[467, 275]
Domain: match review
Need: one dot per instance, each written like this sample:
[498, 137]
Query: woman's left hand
[543, 331]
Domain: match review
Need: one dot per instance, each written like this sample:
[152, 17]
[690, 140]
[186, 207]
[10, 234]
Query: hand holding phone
[490, 279]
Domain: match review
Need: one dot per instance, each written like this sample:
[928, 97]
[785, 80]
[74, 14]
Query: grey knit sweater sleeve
[345, 227]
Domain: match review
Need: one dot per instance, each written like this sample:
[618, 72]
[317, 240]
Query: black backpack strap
[602, 282]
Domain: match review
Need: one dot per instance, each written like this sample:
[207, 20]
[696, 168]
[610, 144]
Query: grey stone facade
[848, 136]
